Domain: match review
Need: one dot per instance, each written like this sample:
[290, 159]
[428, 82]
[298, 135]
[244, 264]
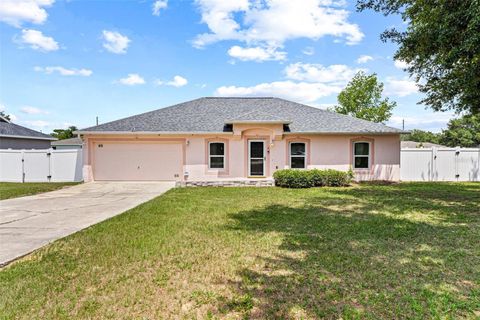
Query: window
[298, 159]
[216, 155]
[361, 155]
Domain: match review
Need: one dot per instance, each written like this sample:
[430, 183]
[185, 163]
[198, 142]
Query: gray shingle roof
[210, 115]
[260, 116]
[68, 142]
[8, 129]
[414, 144]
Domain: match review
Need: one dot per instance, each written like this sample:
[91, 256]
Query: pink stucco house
[242, 139]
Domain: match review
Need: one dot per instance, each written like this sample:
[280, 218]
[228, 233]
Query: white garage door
[137, 161]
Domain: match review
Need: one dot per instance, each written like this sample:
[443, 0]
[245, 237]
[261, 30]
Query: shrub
[291, 178]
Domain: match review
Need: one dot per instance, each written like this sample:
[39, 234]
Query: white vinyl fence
[440, 164]
[420, 164]
[45, 165]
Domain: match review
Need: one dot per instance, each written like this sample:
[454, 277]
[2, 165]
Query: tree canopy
[421, 136]
[441, 46]
[460, 132]
[463, 132]
[4, 115]
[362, 98]
[62, 134]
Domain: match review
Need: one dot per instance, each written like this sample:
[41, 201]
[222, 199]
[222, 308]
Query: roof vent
[228, 127]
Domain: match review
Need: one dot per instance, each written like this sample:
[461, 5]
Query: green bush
[291, 178]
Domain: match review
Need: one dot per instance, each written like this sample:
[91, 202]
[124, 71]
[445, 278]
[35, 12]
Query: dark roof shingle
[8, 129]
[211, 113]
[76, 141]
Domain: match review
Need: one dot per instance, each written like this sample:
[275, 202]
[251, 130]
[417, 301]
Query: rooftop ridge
[240, 97]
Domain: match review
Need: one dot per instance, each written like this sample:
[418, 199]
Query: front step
[227, 183]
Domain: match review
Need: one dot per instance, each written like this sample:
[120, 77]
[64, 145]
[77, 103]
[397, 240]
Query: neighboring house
[211, 139]
[13, 136]
[72, 143]
[415, 144]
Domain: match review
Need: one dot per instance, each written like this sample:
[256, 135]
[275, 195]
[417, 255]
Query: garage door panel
[137, 161]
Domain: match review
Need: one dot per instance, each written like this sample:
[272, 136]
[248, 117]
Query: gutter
[348, 133]
[27, 137]
[170, 133]
[258, 122]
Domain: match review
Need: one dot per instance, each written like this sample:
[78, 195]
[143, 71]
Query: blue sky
[65, 62]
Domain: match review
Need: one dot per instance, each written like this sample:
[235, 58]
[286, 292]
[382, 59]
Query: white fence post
[23, 166]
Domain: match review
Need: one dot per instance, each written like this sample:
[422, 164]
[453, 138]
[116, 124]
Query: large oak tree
[441, 45]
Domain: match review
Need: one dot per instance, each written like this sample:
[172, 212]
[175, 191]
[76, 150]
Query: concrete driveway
[29, 223]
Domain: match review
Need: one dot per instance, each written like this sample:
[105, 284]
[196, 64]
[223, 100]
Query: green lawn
[396, 251]
[15, 189]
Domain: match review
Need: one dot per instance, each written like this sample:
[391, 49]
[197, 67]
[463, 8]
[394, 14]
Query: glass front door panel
[256, 167]
[256, 149]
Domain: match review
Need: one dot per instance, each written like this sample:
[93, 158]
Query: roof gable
[9, 129]
[211, 114]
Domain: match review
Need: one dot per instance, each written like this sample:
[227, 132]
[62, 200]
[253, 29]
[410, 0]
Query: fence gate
[440, 164]
[41, 165]
[36, 166]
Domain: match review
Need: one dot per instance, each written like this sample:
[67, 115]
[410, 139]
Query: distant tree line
[461, 132]
[62, 134]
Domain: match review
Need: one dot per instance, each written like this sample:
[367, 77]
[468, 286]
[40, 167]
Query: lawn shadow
[351, 256]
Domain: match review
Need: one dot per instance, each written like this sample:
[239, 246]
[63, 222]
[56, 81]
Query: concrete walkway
[29, 223]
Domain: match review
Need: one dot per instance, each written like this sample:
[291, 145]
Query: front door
[256, 158]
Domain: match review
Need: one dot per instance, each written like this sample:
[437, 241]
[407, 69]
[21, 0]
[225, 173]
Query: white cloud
[309, 51]
[324, 106]
[16, 12]
[256, 53]
[433, 121]
[400, 64]
[178, 81]
[66, 125]
[364, 59]
[297, 91]
[132, 79]
[158, 5]
[338, 73]
[115, 42]
[272, 22]
[305, 83]
[36, 40]
[64, 72]
[37, 123]
[400, 88]
[33, 110]
[13, 118]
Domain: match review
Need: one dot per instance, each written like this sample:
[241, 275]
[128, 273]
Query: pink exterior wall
[323, 151]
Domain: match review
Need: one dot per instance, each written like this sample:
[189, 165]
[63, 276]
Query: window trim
[369, 156]
[209, 156]
[290, 156]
